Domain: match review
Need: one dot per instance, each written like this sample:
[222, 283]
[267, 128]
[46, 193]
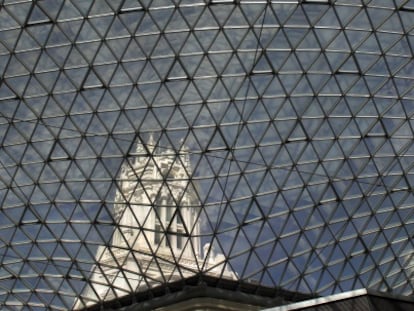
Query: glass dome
[268, 142]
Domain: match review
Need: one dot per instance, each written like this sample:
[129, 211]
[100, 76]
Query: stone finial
[151, 143]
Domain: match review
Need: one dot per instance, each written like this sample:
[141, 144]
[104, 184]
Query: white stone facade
[157, 236]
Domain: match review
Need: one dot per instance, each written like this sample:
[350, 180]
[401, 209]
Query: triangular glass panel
[176, 21]
[8, 21]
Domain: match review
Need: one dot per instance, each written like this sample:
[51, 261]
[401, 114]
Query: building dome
[285, 127]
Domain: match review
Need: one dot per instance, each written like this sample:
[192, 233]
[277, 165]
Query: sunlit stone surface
[157, 237]
[291, 123]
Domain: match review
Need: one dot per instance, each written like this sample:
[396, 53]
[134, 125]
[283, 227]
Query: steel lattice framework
[297, 117]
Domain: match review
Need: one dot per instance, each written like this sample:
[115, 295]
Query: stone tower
[157, 233]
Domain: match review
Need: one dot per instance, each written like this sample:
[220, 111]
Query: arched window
[168, 226]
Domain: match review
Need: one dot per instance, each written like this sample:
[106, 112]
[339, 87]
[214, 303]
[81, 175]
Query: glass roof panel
[146, 142]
